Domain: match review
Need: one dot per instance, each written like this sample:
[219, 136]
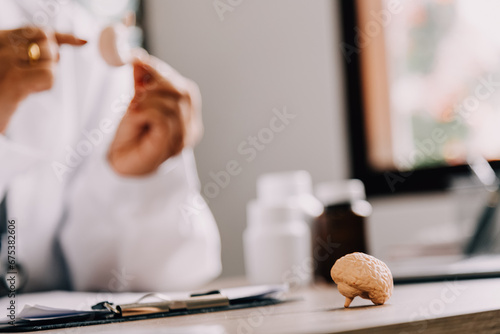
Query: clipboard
[37, 318]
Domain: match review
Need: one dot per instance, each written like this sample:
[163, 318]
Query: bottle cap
[262, 213]
[293, 187]
[278, 186]
[341, 191]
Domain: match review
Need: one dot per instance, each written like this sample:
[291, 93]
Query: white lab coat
[78, 221]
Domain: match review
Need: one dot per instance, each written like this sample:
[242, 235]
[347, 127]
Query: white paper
[74, 303]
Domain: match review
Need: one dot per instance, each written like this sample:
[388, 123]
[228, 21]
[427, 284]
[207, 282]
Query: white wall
[265, 54]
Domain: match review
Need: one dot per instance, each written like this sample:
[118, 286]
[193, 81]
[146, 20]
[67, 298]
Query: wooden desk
[447, 307]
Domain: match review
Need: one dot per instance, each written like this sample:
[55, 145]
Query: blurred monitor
[423, 85]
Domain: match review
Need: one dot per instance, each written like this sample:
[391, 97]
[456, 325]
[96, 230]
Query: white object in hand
[114, 45]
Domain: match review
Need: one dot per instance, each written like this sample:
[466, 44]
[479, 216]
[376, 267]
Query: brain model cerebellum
[359, 274]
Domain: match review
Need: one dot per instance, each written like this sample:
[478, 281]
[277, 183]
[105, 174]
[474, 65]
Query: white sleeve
[151, 233]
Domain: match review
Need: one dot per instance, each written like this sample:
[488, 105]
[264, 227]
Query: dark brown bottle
[340, 230]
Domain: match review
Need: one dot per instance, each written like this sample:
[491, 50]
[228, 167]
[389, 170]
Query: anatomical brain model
[359, 274]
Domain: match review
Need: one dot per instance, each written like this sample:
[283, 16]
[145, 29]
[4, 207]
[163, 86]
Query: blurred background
[400, 94]
[249, 59]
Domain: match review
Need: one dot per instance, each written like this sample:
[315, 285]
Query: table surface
[441, 307]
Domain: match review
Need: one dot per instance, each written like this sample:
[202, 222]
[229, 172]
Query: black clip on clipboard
[105, 312]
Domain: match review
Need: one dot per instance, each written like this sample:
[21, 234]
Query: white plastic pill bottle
[277, 244]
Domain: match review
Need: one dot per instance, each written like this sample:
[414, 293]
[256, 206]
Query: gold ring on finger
[33, 52]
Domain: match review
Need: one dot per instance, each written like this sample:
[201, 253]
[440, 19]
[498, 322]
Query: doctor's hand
[163, 118]
[27, 61]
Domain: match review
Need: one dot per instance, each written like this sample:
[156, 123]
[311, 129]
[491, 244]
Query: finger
[148, 80]
[163, 136]
[177, 136]
[69, 39]
[170, 110]
[38, 78]
[168, 107]
[156, 68]
[181, 109]
[25, 34]
[21, 38]
[47, 52]
[169, 130]
[145, 77]
[152, 73]
[195, 123]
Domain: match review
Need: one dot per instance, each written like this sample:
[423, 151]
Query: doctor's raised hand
[163, 118]
[28, 57]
